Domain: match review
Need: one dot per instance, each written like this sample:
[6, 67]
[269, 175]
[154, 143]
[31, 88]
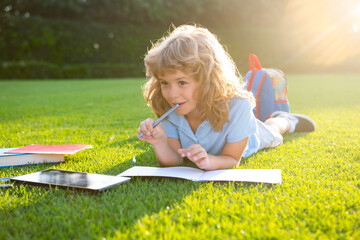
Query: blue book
[20, 159]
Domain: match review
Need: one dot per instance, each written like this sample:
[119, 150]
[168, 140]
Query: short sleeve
[241, 119]
[170, 129]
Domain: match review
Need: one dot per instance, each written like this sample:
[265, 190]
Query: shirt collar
[183, 125]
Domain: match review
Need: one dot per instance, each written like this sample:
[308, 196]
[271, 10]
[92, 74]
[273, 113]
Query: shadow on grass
[57, 213]
[47, 212]
[64, 214]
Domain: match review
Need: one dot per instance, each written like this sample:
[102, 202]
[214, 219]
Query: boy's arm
[166, 152]
[230, 156]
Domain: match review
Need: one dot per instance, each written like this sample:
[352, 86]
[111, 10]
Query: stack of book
[35, 154]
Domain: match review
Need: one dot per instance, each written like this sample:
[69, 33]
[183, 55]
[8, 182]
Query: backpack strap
[251, 80]
[254, 62]
[258, 96]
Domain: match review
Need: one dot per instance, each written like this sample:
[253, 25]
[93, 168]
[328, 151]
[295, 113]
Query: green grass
[318, 199]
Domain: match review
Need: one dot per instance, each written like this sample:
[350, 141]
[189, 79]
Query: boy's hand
[151, 135]
[197, 154]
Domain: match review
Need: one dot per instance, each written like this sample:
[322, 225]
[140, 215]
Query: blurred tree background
[108, 38]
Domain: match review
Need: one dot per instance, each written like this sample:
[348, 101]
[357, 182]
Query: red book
[51, 149]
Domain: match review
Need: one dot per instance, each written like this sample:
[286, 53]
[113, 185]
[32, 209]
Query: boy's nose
[173, 92]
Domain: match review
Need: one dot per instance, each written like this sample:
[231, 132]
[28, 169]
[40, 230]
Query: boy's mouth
[180, 104]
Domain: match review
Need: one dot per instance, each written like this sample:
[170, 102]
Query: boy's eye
[163, 83]
[182, 83]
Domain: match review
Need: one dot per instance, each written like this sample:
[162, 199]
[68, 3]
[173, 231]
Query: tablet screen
[71, 180]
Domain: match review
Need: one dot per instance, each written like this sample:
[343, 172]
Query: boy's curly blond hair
[198, 53]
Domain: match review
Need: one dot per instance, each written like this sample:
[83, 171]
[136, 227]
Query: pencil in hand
[162, 117]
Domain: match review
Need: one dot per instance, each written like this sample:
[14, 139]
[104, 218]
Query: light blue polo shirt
[242, 123]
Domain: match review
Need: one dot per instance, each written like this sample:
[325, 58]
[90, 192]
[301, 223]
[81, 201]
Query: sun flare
[325, 32]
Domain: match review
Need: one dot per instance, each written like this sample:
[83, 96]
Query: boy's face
[180, 88]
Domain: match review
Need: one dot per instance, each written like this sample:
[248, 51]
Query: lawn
[319, 197]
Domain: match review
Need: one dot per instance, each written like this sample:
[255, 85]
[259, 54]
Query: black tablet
[71, 180]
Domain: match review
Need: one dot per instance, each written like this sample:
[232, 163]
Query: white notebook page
[245, 175]
[188, 173]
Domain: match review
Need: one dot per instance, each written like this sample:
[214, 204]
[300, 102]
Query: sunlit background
[324, 32]
[108, 38]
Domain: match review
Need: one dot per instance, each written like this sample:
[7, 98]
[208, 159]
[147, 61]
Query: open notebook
[198, 175]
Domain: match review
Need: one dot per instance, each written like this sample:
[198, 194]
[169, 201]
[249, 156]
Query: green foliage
[318, 198]
[109, 32]
[67, 42]
[53, 34]
[155, 12]
[43, 48]
[45, 70]
[30, 69]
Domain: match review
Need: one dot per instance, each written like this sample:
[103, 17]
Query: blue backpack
[269, 87]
